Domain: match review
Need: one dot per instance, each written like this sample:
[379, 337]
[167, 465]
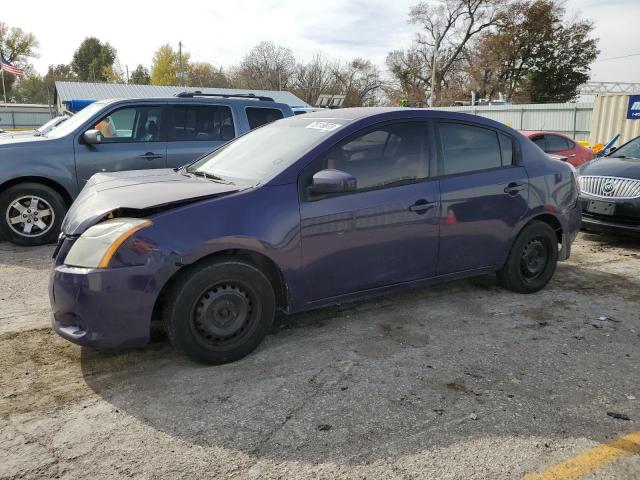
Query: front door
[131, 140]
[384, 233]
[484, 193]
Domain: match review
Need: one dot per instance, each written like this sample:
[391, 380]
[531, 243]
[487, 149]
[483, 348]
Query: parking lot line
[591, 460]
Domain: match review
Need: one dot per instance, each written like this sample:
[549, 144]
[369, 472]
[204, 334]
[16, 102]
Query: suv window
[556, 144]
[131, 124]
[259, 116]
[468, 148]
[201, 122]
[389, 155]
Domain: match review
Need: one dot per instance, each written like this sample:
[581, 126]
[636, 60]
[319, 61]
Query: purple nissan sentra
[309, 211]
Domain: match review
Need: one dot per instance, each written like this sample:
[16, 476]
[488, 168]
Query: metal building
[615, 113]
[65, 92]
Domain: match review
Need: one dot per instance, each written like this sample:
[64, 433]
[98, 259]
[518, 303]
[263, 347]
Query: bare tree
[267, 66]
[314, 78]
[360, 81]
[447, 27]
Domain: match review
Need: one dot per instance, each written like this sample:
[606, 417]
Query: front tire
[31, 214]
[219, 311]
[532, 260]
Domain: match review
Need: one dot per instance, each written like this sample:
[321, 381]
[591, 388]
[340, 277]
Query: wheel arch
[64, 193]
[259, 260]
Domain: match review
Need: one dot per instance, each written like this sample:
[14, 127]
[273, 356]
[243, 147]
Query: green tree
[17, 46]
[140, 76]
[36, 89]
[165, 69]
[93, 60]
[203, 74]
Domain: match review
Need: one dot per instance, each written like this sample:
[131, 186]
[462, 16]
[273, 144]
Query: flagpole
[4, 91]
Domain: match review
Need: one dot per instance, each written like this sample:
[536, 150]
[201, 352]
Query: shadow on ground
[395, 375]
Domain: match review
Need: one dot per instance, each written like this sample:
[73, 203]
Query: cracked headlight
[96, 247]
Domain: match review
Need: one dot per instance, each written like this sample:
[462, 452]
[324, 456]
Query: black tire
[15, 204]
[532, 260]
[219, 311]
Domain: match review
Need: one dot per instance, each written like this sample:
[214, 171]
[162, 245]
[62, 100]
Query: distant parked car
[41, 130]
[560, 145]
[40, 175]
[312, 210]
[611, 191]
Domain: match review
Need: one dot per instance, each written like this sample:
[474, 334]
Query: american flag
[9, 68]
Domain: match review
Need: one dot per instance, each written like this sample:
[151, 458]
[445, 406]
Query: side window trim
[440, 148]
[430, 160]
[138, 106]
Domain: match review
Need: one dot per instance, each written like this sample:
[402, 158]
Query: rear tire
[31, 214]
[532, 260]
[219, 311]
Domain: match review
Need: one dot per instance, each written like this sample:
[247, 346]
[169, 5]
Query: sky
[221, 32]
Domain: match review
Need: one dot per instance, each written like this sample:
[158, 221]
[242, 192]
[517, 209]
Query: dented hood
[137, 190]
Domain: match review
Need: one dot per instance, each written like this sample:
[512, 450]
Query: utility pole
[127, 68]
[180, 77]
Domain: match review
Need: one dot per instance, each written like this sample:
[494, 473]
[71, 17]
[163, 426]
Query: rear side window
[258, 116]
[506, 145]
[201, 122]
[468, 148]
[556, 144]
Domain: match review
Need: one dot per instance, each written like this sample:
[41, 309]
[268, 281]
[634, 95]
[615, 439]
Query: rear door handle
[421, 206]
[514, 187]
[151, 156]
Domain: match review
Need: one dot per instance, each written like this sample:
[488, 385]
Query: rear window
[193, 123]
[259, 116]
[468, 148]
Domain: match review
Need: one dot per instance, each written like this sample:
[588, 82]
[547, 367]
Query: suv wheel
[31, 214]
[532, 260]
[220, 311]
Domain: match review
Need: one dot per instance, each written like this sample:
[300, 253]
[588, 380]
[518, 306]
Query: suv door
[195, 130]
[131, 140]
[386, 231]
[484, 193]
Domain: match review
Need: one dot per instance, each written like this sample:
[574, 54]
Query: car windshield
[263, 153]
[630, 150]
[74, 122]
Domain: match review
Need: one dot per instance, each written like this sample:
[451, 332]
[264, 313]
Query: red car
[561, 145]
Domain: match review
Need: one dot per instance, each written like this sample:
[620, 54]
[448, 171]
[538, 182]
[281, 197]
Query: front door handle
[514, 188]
[151, 156]
[421, 206]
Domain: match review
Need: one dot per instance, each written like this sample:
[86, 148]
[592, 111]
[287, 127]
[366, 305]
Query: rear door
[131, 140]
[195, 130]
[484, 193]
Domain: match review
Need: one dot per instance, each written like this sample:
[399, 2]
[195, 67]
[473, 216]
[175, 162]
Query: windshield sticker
[326, 126]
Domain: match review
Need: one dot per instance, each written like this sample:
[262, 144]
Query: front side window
[556, 144]
[259, 116]
[134, 124]
[386, 156]
[193, 123]
[467, 148]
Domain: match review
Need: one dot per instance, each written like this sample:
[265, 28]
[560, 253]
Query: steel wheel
[222, 314]
[534, 259]
[30, 216]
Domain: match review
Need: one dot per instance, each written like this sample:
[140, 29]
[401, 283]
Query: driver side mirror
[92, 137]
[330, 181]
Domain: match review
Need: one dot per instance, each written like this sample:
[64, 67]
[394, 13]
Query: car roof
[531, 133]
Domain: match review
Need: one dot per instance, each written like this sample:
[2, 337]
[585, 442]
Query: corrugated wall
[610, 117]
[14, 116]
[572, 119]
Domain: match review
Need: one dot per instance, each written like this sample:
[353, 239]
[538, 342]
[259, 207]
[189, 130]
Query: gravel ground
[463, 380]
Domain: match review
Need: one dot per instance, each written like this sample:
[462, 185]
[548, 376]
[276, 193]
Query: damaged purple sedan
[314, 210]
